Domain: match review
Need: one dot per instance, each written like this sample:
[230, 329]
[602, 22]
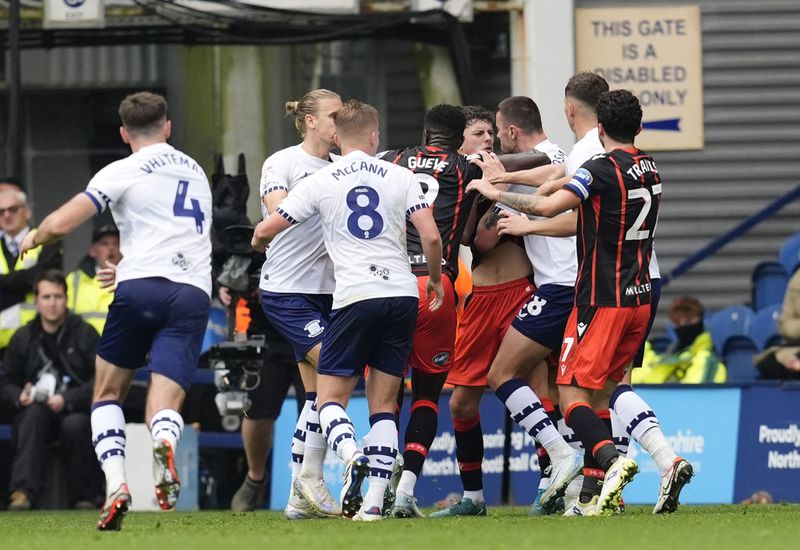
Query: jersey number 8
[364, 222]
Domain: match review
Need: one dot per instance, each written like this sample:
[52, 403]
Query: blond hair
[308, 105]
[355, 118]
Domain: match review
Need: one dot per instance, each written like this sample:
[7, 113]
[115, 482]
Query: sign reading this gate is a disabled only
[656, 53]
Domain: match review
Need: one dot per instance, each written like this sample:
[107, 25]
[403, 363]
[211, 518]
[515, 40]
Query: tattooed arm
[560, 201]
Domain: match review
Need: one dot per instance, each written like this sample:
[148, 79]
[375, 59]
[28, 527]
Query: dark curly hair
[477, 113]
[446, 122]
[586, 87]
[620, 114]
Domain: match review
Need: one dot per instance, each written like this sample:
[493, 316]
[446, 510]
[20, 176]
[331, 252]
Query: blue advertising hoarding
[769, 443]
[701, 426]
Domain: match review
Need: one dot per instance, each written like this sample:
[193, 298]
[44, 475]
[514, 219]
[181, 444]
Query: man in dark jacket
[47, 375]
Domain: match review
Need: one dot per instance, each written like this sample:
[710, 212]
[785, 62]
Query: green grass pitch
[703, 527]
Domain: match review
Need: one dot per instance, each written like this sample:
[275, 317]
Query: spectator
[47, 375]
[691, 359]
[85, 294]
[783, 362]
[17, 275]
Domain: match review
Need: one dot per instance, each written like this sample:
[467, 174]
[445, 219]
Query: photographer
[47, 375]
[277, 373]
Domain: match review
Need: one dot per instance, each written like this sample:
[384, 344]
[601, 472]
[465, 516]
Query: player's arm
[274, 185]
[431, 242]
[550, 206]
[520, 225]
[62, 222]
[532, 169]
[486, 235]
[268, 229]
[272, 199]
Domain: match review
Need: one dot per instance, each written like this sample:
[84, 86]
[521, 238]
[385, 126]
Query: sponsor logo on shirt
[378, 271]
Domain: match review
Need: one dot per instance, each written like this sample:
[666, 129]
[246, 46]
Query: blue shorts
[655, 297]
[377, 332]
[160, 317]
[544, 318]
[300, 318]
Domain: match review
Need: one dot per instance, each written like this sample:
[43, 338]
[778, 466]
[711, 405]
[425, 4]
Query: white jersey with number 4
[297, 261]
[363, 203]
[161, 201]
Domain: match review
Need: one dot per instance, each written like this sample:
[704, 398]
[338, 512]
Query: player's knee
[463, 406]
[497, 377]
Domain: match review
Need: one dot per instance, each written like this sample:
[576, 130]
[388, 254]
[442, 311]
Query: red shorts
[599, 342]
[435, 335]
[487, 316]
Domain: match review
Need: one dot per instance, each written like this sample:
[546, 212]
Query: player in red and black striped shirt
[618, 194]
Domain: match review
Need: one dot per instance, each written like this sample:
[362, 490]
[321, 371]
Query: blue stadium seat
[764, 327]
[738, 357]
[769, 284]
[729, 322]
[789, 254]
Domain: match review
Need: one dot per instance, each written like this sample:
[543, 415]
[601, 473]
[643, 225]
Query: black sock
[420, 432]
[594, 435]
[544, 461]
[469, 452]
[592, 475]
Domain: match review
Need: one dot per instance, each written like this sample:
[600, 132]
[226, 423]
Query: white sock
[338, 429]
[544, 482]
[108, 438]
[528, 412]
[475, 496]
[167, 424]
[407, 482]
[654, 442]
[621, 438]
[314, 455]
[642, 424]
[569, 435]
[299, 437]
[381, 448]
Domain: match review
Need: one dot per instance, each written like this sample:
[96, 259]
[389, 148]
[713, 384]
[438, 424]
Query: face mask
[687, 334]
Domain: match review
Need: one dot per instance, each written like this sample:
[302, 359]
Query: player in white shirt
[538, 328]
[161, 202]
[631, 416]
[363, 203]
[296, 288]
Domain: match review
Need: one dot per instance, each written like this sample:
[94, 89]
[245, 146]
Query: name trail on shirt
[641, 167]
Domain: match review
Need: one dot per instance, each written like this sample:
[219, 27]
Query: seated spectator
[47, 375]
[691, 359]
[85, 293]
[17, 275]
[783, 362]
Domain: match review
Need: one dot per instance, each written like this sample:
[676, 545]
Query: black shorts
[278, 372]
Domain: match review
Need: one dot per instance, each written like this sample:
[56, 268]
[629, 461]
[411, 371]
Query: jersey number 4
[179, 209]
[364, 222]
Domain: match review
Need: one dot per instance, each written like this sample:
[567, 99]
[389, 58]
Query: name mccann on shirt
[358, 166]
[167, 159]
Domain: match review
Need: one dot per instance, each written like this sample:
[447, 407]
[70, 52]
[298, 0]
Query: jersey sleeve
[106, 186]
[415, 198]
[301, 203]
[274, 176]
[472, 171]
[590, 179]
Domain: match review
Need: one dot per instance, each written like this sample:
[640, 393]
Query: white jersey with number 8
[363, 203]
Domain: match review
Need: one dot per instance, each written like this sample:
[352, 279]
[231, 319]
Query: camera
[237, 370]
[44, 388]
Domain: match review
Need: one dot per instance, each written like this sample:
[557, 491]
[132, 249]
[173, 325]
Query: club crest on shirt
[314, 328]
[441, 358]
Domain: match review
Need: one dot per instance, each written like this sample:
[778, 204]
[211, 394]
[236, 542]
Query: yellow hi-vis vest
[18, 315]
[86, 298]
